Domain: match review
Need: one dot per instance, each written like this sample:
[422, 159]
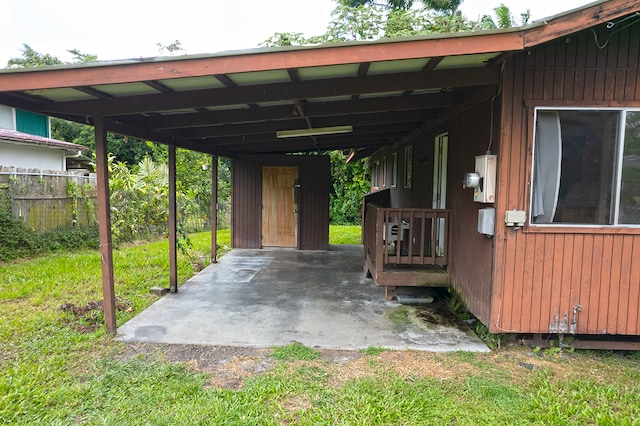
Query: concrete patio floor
[263, 298]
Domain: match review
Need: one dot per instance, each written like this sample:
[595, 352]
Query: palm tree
[504, 17]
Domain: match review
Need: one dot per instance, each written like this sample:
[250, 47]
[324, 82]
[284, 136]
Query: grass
[294, 351]
[57, 367]
[345, 234]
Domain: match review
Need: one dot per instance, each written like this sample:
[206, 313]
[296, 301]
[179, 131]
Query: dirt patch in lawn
[87, 318]
[229, 367]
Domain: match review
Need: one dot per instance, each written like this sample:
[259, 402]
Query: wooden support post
[173, 241]
[214, 208]
[104, 225]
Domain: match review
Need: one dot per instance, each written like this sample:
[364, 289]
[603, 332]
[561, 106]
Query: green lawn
[345, 234]
[58, 367]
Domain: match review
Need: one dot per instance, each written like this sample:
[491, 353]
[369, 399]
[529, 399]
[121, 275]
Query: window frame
[394, 169]
[580, 228]
[375, 175]
[384, 171]
[408, 166]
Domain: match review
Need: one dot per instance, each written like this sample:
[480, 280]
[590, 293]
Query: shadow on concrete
[264, 298]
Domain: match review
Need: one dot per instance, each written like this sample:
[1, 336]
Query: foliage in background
[31, 58]
[349, 182]
[17, 241]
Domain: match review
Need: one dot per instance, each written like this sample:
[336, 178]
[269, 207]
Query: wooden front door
[279, 207]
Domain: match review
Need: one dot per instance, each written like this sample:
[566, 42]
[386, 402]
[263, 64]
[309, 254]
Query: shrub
[71, 238]
[16, 240]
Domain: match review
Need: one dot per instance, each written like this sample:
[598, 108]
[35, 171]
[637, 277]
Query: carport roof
[234, 103]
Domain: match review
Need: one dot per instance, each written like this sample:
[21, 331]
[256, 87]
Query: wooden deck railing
[406, 236]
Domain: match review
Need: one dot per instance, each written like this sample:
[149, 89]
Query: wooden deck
[406, 247]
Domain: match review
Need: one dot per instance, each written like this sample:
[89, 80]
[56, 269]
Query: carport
[296, 100]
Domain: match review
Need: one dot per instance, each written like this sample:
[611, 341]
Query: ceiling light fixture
[318, 131]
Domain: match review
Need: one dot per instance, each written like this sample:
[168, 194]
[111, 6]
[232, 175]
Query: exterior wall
[418, 195]
[471, 253]
[7, 118]
[31, 157]
[314, 179]
[542, 274]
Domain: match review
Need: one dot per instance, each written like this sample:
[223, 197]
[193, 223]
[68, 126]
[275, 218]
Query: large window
[586, 167]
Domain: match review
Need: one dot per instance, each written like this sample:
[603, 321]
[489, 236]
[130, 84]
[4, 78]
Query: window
[408, 166]
[375, 174]
[384, 172]
[394, 170]
[586, 167]
[32, 123]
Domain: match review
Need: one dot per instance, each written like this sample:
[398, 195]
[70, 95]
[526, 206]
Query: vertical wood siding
[314, 179]
[539, 277]
[471, 253]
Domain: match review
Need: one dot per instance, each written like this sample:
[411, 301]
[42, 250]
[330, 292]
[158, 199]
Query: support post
[173, 246]
[214, 208]
[104, 226]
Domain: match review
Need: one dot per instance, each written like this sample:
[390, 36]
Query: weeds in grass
[294, 352]
[374, 350]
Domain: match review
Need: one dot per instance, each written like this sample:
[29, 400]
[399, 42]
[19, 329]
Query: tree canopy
[370, 19]
[439, 5]
[31, 58]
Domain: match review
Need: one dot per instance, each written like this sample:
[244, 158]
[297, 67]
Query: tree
[349, 181]
[437, 5]
[362, 22]
[31, 58]
[171, 48]
[505, 19]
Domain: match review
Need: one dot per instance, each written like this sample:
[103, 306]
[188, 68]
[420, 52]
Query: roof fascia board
[330, 54]
[581, 19]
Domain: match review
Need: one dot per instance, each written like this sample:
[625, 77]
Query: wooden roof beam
[273, 126]
[278, 92]
[312, 109]
[366, 132]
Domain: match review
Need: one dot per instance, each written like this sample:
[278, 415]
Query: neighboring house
[30, 152]
[541, 123]
[25, 143]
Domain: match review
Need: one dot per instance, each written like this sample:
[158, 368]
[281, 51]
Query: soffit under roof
[234, 103]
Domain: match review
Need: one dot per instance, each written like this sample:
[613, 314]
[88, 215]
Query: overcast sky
[123, 29]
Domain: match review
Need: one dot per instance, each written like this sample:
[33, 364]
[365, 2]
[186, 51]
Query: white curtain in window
[547, 164]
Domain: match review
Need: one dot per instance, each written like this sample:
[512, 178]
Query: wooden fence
[48, 200]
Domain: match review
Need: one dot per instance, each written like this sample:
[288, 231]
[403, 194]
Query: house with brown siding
[564, 127]
[504, 163]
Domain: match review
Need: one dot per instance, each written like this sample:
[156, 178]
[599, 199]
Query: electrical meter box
[486, 168]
